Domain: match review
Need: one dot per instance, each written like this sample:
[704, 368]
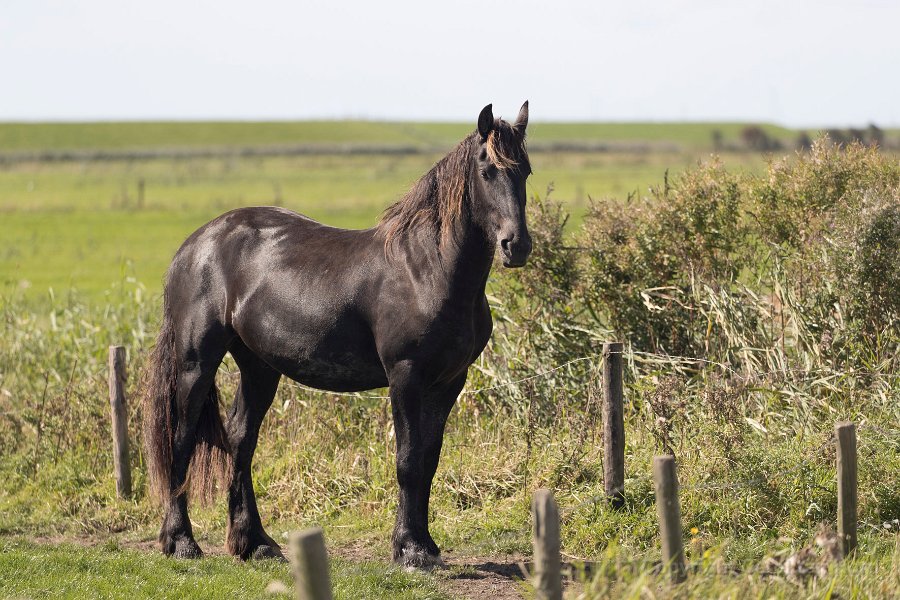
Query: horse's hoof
[419, 560]
[186, 548]
[264, 552]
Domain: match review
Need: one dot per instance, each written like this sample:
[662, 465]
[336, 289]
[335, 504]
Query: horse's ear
[522, 119]
[486, 121]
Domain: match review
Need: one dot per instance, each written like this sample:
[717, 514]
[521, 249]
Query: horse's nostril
[505, 245]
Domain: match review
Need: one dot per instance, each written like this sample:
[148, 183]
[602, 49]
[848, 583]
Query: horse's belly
[350, 375]
[337, 355]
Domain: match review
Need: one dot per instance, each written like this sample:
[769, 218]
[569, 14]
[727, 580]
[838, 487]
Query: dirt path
[495, 578]
[465, 577]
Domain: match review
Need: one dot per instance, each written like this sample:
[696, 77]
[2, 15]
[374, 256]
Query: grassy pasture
[133, 134]
[319, 466]
[78, 225]
[757, 473]
[29, 570]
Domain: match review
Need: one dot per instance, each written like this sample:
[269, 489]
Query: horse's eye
[484, 174]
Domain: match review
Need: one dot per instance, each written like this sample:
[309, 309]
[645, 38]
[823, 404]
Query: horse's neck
[460, 265]
[469, 263]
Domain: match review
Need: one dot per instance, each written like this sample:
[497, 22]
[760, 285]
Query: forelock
[506, 147]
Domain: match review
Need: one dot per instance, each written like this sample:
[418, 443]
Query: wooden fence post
[140, 193]
[310, 564]
[547, 570]
[613, 424]
[669, 511]
[121, 461]
[845, 434]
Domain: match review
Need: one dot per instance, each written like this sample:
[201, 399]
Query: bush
[783, 283]
[875, 268]
[645, 256]
[718, 262]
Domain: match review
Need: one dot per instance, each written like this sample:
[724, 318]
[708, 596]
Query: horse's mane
[437, 200]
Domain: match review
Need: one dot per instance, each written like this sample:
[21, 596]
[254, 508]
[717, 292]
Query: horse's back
[255, 241]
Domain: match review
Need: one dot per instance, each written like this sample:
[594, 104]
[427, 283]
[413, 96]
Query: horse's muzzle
[515, 251]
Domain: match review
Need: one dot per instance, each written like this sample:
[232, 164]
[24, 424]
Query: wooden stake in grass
[121, 460]
[310, 564]
[140, 194]
[845, 433]
[613, 424]
[669, 511]
[547, 570]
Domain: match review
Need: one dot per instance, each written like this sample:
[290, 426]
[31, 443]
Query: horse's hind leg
[246, 537]
[195, 394]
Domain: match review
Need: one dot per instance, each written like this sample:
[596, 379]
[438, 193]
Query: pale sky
[802, 63]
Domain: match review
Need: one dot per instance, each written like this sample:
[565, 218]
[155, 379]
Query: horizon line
[362, 119]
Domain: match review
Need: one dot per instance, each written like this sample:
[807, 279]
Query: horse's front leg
[439, 403]
[415, 424]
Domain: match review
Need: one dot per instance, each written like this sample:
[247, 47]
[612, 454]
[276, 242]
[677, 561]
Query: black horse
[401, 305]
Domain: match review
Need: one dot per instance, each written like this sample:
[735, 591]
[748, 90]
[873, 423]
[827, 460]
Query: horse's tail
[210, 457]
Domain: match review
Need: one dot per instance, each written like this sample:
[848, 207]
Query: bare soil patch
[468, 577]
[497, 578]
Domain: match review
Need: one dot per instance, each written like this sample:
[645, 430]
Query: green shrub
[726, 267]
[782, 284]
[646, 255]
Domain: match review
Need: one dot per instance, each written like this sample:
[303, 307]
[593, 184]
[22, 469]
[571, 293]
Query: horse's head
[500, 169]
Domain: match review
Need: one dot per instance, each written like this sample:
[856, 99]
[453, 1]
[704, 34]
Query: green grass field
[82, 225]
[133, 135]
[29, 570]
[78, 228]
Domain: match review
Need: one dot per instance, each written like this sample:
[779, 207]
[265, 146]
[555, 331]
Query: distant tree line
[755, 138]
[870, 136]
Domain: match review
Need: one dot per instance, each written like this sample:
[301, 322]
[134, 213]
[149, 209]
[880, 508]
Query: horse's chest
[460, 339]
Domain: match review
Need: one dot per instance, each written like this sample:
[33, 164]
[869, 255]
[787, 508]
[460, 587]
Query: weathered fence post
[669, 511]
[547, 570]
[121, 461]
[845, 434]
[310, 564]
[613, 424]
[140, 193]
